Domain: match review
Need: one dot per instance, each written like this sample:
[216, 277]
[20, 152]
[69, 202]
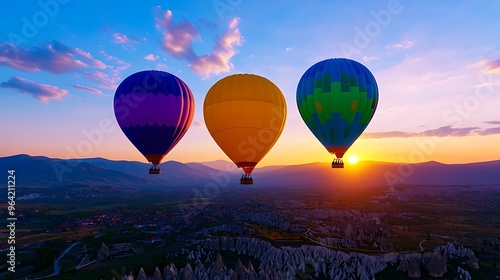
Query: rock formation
[437, 264]
[403, 265]
[473, 261]
[142, 275]
[413, 268]
[103, 253]
[157, 275]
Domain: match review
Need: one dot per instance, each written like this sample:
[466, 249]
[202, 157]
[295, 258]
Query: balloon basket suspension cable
[338, 163]
[246, 179]
[154, 170]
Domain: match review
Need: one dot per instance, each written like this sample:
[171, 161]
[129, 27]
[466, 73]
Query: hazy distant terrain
[45, 171]
[308, 221]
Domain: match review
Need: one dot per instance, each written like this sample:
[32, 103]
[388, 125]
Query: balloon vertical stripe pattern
[154, 110]
[337, 98]
[245, 114]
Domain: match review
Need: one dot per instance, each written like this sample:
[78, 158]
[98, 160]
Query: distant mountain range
[44, 171]
[373, 173]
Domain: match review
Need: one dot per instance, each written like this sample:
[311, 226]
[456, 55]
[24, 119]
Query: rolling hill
[44, 171]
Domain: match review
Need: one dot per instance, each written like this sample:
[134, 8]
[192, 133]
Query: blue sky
[437, 64]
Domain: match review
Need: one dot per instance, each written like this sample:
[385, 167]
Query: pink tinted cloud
[151, 57]
[114, 75]
[219, 61]
[493, 66]
[198, 124]
[400, 46]
[445, 131]
[122, 38]
[53, 57]
[120, 65]
[89, 89]
[385, 134]
[490, 131]
[179, 37]
[161, 66]
[89, 59]
[369, 58]
[112, 58]
[102, 79]
[42, 92]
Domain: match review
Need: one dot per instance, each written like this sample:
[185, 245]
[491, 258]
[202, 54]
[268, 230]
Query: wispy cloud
[89, 59]
[114, 75]
[445, 131]
[219, 61]
[89, 89]
[386, 134]
[112, 58]
[42, 92]
[400, 46]
[57, 58]
[492, 122]
[369, 58]
[421, 79]
[120, 65]
[198, 124]
[53, 57]
[151, 57]
[161, 66]
[493, 66]
[179, 37]
[489, 131]
[102, 79]
[122, 39]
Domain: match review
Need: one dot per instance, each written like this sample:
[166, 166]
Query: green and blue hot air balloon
[337, 99]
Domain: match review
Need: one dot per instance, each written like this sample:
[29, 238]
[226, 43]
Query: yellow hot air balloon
[245, 114]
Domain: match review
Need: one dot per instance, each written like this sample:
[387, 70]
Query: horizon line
[270, 165]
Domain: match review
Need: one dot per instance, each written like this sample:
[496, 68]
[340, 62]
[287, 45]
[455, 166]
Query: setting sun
[353, 159]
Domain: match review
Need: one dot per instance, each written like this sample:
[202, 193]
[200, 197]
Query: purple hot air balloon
[154, 109]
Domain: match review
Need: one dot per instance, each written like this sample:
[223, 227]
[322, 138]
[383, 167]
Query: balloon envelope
[337, 99]
[245, 115]
[154, 109]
